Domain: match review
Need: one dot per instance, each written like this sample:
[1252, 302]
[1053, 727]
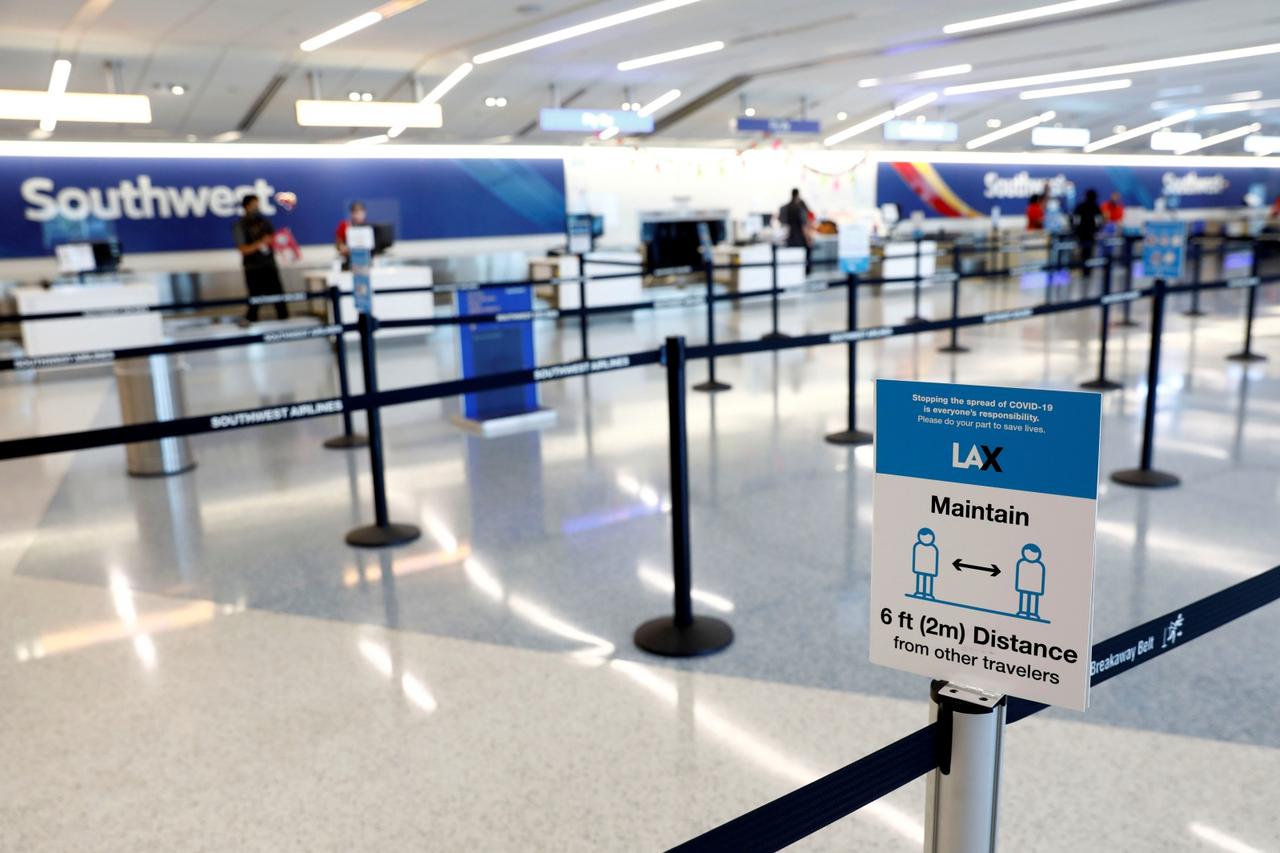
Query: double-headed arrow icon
[992, 569]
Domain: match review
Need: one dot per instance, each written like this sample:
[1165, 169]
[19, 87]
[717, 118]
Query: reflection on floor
[205, 645]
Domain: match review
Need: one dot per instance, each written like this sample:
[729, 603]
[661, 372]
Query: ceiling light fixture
[877, 120]
[177, 89]
[228, 136]
[1116, 70]
[993, 123]
[842, 116]
[581, 29]
[1016, 127]
[671, 56]
[328, 37]
[658, 103]
[392, 114]
[34, 105]
[749, 112]
[441, 89]
[1024, 15]
[1149, 127]
[1219, 138]
[353, 96]
[868, 82]
[1244, 107]
[1245, 96]
[1081, 89]
[928, 74]
[608, 133]
[57, 88]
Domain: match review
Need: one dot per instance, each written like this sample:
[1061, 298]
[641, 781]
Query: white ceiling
[226, 52]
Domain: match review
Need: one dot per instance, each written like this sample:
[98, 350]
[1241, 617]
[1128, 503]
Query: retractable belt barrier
[806, 810]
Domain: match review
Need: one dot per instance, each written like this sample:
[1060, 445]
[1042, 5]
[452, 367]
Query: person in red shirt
[1113, 209]
[1035, 212]
[357, 217]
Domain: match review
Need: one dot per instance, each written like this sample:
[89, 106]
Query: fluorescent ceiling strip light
[658, 103]
[1117, 70]
[1244, 107]
[367, 114]
[33, 105]
[57, 88]
[928, 74]
[328, 37]
[1142, 130]
[671, 56]
[581, 29]
[945, 71]
[440, 90]
[1081, 89]
[1245, 96]
[1219, 138]
[877, 120]
[608, 132]
[1024, 15]
[1010, 130]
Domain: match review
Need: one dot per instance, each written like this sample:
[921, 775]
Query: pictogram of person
[1029, 581]
[924, 562]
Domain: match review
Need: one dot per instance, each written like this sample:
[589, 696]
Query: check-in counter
[748, 278]
[386, 306]
[118, 325]
[899, 259]
[620, 290]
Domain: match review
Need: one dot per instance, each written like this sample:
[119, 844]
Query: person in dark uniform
[1087, 222]
[795, 215]
[254, 235]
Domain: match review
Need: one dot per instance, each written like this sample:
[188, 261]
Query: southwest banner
[186, 204]
[972, 189]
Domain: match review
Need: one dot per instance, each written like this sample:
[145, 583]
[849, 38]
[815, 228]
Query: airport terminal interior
[608, 425]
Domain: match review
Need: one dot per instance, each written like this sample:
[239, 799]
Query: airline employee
[358, 216]
[255, 238]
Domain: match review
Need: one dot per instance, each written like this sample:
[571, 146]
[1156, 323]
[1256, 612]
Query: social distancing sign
[983, 536]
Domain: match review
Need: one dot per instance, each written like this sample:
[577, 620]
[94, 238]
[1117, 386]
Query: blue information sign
[594, 121]
[497, 348]
[1164, 249]
[746, 124]
[983, 530]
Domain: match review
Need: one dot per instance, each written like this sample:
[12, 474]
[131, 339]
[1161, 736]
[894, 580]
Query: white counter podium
[622, 290]
[103, 331]
[388, 306]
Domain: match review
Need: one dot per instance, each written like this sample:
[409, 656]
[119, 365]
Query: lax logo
[983, 461]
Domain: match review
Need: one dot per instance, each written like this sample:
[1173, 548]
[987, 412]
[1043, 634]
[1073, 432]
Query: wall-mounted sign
[921, 131]
[1172, 140]
[593, 121]
[748, 124]
[1060, 137]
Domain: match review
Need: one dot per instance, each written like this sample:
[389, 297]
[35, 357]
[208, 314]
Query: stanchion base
[712, 386]
[1145, 479]
[1102, 384]
[850, 437]
[774, 336]
[662, 636]
[1195, 313]
[1126, 324]
[346, 442]
[373, 536]
[916, 318]
[1246, 356]
[954, 349]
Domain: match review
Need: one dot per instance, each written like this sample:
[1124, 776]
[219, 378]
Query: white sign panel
[983, 538]
[75, 257]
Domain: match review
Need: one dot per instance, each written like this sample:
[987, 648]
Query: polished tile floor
[199, 662]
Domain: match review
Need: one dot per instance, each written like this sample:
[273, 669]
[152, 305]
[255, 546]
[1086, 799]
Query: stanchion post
[582, 304]
[954, 346]
[712, 384]
[1251, 305]
[349, 437]
[682, 634]
[1126, 254]
[962, 795]
[774, 335]
[1144, 476]
[1102, 383]
[915, 288]
[382, 532]
[852, 435]
[1195, 255]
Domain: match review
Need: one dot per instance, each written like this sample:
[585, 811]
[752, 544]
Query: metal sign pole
[774, 335]
[349, 438]
[962, 796]
[852, 435]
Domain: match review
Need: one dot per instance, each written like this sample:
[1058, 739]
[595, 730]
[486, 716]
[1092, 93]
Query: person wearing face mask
[255, 237]
[358, 216]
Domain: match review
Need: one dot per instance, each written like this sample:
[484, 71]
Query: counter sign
[983, 538]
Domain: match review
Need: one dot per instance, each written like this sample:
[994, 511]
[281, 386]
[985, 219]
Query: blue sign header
[1027, 439]
[173, 205]
[594, 121]
[745, 124]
